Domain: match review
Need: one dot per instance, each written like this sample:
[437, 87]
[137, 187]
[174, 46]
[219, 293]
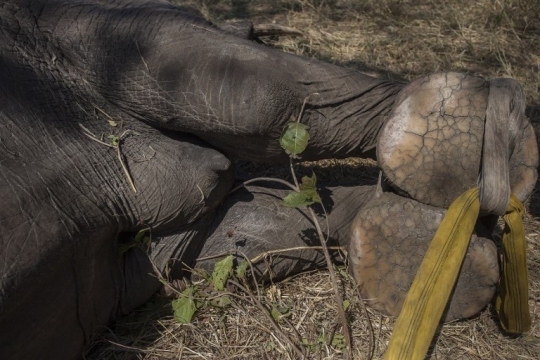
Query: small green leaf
[294, 139]
[313, 196]
[143, 237]
[338, 341]
[314, 347]
[308, 194]
[280, 312]
[341, 271]
[303, 198]
[309, 187]
[276, 314]
[185, 306]
[141, 240]
[114, 139]
[285, 311]
[202, 273]
[309, 183]
[346, 304]
[241, 269]
[297, 199]
[112, 123]
[221, 301]
[222, 270]
[270, 345]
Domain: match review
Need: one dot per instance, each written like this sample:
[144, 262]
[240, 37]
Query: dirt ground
[399, 40]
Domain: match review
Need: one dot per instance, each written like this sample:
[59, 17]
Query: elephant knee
[177, 183]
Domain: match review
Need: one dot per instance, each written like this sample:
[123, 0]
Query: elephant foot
[447, 133]
[445, 127]
[389, 238]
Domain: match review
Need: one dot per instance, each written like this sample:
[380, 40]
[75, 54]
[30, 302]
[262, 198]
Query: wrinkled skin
[187, 97]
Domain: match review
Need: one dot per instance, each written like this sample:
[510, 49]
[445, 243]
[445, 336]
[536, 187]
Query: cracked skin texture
[430, 148]
[389, 239]
[431, 151]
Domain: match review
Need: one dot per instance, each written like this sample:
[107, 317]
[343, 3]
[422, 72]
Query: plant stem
[333, 279]
[304, 106]
[124, 167]
[293, 174]
[286, 183]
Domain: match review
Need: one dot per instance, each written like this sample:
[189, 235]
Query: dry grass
[398, 39]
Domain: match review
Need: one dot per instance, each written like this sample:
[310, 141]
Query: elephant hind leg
[389, 238]
[255, 223]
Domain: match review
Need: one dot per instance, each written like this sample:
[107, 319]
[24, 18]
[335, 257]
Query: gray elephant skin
[86, 83]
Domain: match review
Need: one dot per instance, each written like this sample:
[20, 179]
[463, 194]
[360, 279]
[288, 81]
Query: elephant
[122, 115]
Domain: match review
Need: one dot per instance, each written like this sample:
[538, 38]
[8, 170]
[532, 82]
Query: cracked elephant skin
[182, 97]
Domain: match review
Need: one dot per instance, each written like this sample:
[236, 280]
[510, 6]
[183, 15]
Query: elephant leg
[64, 274]
[389, 238]
[179, 184]
[253, 222]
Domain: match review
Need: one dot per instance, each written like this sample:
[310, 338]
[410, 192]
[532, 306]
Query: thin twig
[376, 347]
[329, 264]
[298, 122]
[294, 174]
[124, 167]
[202, 193]
[252, 269]
[327, 224]
[161, 279]
[304, 106]
[106, 115]
[127, 348]
[93, 137]
[371, 349]
[279, 251]
[142, 58]
[333, 279]
[286, 183]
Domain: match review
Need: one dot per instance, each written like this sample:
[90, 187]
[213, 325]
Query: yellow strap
[435, 279]
[513, 299]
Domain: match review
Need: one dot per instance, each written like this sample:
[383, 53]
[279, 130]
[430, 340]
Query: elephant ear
[430, 148]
